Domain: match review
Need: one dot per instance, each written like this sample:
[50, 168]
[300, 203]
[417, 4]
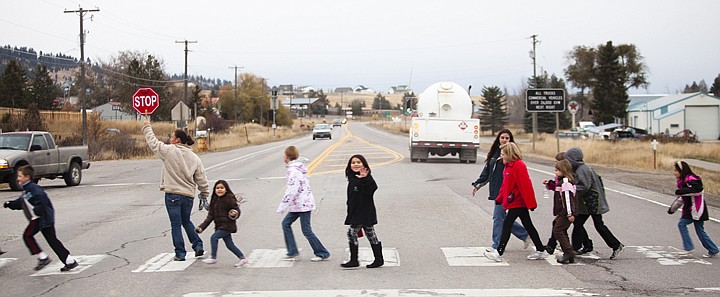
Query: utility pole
[535, 85]
[235, 107]
[185, 96]
[81, 82]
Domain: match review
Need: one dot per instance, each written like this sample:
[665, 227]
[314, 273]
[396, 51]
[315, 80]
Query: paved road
[432, 230]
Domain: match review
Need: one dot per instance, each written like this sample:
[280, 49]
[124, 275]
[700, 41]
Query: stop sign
[145, 101]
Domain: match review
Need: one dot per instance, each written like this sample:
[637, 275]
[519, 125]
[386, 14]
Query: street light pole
[274, 106]
[81, 81]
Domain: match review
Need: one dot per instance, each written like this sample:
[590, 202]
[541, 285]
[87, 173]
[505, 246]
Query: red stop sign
[145, 101]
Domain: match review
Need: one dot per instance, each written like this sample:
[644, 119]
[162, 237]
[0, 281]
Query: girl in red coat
[517, 197]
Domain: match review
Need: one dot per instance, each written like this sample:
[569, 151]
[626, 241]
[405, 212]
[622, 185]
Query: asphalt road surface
[433, 233]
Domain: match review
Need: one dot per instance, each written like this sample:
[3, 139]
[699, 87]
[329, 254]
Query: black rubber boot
[377, 252]
[353, 257]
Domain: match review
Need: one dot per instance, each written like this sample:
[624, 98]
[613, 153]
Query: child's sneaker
[242, 262]
[494, 255]
[709, 255]
[209, 261]
[69, 267]
[538, 255]
[42, 263]
[318, 259]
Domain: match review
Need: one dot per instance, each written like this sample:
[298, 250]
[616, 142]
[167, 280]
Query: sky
[335, 43]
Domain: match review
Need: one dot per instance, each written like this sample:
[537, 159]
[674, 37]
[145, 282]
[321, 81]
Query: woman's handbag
[675, 205]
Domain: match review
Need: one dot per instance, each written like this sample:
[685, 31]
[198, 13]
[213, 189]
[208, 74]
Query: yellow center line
[396, 157]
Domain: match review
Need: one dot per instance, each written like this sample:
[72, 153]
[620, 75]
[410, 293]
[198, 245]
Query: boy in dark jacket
[41, 216]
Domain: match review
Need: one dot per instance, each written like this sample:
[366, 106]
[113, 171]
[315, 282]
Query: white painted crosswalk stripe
[267, 258]
[165, 262]
[469, 256]
[84, 262]
[6, 261]
[404, 293]
[669, 256]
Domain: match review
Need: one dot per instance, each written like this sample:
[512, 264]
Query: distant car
[322, 131]
[622, 135]
[337, 122]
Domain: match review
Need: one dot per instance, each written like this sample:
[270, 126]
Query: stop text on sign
[145, 100]
[551, 100]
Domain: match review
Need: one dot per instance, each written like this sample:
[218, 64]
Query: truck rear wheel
[12, 181]
[74, 175]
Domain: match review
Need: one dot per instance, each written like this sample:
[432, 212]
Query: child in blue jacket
[41, 216]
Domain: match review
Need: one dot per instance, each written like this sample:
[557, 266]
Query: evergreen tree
[44, 90]
[379, 102]
[493, 112]
[610, 95]
[715, 88]
[13, 86]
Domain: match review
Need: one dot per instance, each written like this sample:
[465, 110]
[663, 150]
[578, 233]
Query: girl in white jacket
[299, 203]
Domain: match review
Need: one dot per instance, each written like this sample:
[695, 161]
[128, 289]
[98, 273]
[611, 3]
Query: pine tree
[44, 90]
[610, 95]
[493, 111]
[13, 86]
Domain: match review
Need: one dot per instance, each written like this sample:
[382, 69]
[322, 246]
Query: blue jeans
[499, 215]
[702, 235]
[179, 208]
[318, 249]
[227, 238]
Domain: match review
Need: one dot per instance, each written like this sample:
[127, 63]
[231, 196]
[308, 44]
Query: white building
[671, 114]
[113, 111]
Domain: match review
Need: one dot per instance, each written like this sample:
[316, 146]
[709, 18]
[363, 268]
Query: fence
[47, 114]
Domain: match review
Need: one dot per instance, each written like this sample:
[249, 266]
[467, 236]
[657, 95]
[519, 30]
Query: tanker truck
[444, 124]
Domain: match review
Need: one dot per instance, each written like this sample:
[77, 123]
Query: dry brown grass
[69, 132]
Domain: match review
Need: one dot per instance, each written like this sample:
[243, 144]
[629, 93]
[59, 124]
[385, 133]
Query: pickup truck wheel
[12, 181]
[74, 175]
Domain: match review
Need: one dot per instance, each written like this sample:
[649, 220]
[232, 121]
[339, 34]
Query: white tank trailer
[444, 124]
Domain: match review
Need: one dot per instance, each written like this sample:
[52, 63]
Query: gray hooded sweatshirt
[585, 180]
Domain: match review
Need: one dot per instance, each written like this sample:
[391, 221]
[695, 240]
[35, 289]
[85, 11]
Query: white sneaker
[318, 259]
[242, 262]
[538, 255]
[526, 243]
[709, 255]
[209, 261]
[489, 249]
[494, 255]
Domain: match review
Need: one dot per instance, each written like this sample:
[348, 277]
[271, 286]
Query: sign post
[145, 101]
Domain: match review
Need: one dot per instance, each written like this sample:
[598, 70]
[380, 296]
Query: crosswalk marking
[266, 258]
[469, 256]
[5, 261]
[365, 256]
[165, 262]
[404, 293]
[84, 262]
[673, 257]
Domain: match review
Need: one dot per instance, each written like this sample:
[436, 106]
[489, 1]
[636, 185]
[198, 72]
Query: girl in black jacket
[224, 212]
[361, 214]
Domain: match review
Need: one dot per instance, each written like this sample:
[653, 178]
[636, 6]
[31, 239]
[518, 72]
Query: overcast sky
[336, 43]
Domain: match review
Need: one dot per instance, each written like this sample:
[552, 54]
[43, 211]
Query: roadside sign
[552, 100]
[145, 101]
[573, 107]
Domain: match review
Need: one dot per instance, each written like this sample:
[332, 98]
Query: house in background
[360, 89]
[344, 90]
[401, 89]
[300, 107]
[671, 114]
[113, 111]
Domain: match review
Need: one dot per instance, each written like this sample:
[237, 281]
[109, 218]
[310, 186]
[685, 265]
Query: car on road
[322, 131]
[337, 122]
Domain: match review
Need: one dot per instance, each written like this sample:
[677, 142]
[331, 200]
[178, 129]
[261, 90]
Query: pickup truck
[38, 149]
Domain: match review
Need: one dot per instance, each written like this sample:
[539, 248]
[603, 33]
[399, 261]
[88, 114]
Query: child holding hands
[224, 212]
[564, 207]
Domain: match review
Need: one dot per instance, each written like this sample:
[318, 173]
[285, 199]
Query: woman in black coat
[361, 213]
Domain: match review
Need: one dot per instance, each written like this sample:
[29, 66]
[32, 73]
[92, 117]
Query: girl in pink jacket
[299, 203]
